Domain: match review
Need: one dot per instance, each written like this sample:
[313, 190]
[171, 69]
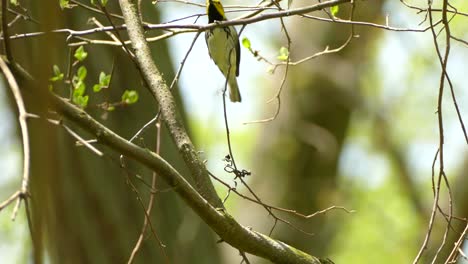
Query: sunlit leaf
[79, 89]
[246, 43]
[63, 4]
[104, 79]
[58, 76]
[81, 101]
[283, 54]
[80, 53]
[130, 97]
[97, 88]
[334, 10]
[82, 73]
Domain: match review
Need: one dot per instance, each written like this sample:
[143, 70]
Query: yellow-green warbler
[223, 47]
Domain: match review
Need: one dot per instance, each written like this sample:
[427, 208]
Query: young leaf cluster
[78, 84]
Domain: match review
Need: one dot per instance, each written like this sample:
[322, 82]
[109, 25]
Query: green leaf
[81, 101]
[14, 2]
[58, 76]
[97, 88]
[246, 43]
[110, 108]
[104, 79]
[79, 89]
[82, 72]
[103, 2]
[271, 70]
[80, 53]
[334, 10]
[283, 54]
[63, 4]
[56, 70]
[130, 97]
[75, 81]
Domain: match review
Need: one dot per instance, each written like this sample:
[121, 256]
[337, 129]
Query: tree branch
[187, 28]
[22, 116]
[222, 223]
[218, 219]
[169, 112]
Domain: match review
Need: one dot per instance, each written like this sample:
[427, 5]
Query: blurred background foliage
[356, 128]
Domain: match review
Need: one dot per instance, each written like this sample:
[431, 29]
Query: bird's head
[215, 11]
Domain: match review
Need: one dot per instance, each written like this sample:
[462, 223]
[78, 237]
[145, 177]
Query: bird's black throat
[213, 14]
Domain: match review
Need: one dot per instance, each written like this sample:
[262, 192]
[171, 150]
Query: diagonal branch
[185, 28]
[169, 112]
[219, 220]
[22, 116]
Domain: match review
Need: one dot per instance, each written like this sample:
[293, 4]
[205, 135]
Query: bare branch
[6, 39]
[218, 219]
[169, 112]
[22, 116]
[192, 27]
[150, 205]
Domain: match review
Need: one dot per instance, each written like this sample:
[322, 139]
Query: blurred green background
[356, 128]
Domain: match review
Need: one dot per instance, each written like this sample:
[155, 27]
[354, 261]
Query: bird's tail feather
[234, 93]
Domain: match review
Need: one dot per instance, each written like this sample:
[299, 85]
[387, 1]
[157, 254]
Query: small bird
[223, 47]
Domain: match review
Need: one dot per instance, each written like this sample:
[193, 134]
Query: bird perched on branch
[223, 47]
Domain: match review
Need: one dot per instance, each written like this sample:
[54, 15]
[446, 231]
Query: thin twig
[6, 35]
[182, 63]
[9, 200]
[22, 116]
[244, 257]
[119, 37]
[192, 27]
[92, 9]
[289, 211]
[459, 40]
[150, 203]
[452, 257]
[82, 141]
[153, 231]
[444, 75]
[156, 117]
[14, 20]
[239, 174]
[288, 63]
[443, 61]
[217, 218]
[226, 123]
[26, 17]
